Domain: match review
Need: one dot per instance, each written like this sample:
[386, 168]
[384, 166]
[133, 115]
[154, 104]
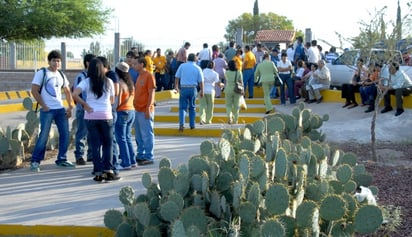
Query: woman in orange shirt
[125, 118]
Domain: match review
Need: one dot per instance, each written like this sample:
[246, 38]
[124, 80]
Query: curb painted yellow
[216, 119]
[46, 230]
[261, 110]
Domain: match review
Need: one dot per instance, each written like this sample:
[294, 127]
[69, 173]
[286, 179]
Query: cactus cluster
[275, 177]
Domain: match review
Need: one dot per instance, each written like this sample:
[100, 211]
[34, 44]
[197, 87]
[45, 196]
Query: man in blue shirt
[188, 77]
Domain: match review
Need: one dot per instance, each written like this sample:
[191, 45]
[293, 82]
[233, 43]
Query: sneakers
[65, 163]
[80, 161]
[145, 162]
[120, 167]
[35, 166]
[110, 177]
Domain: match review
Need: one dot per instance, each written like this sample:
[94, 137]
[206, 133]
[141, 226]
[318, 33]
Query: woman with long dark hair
[125, 117]
[99, 118]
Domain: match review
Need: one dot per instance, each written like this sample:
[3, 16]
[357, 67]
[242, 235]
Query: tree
[28, 20]
[251, 24]
[129, 43]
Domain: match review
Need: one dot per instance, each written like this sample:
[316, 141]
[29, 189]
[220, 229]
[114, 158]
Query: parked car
[343, 68]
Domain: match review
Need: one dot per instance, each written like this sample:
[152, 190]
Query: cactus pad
[368, 219]
[332, 208]
[277, 199]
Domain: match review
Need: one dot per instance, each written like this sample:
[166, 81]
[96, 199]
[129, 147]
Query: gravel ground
[392, 175]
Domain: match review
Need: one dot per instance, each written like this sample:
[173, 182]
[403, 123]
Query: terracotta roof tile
[275, 36]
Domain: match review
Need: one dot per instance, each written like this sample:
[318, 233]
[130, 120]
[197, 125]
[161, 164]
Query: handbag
[238, 86]
[278, 80]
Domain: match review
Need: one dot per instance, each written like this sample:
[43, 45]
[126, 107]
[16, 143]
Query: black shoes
[399, 112]
[145, 162]
[353, 106]
[80, 161]
[369, 110]
[387, 109]
[346, 104]
[319, 100]
[181, 128]
[269, 112]
[311, 101]
[106, 177]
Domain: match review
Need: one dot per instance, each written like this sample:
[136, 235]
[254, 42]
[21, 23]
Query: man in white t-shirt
[47, 86]
[313, 53]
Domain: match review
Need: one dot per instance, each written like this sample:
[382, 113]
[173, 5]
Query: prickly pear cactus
[276, 177]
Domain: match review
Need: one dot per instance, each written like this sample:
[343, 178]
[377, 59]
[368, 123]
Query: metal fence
[33, 55]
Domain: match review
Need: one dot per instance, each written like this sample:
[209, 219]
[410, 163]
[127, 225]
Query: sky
[168, 24]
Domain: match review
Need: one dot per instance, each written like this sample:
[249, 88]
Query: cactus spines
[215, 207]
[276, 199]
[142, 213]
[28, 103]
[206, 147]
[272, 228]
[247, 212]
[113, 218]
[368, 218]
[197, 165]
[225, 148]
[275, 124]
[344, 173]
[342, 228]
[350, 186]
[332, 208]
[253, 195]
[305, 213]
[178, 230]
[125, 229]
[165, 162]
[281, 164]
[349, 158]
[126, 196]
[194, 216]
[166, 180]
[169, 211]
[257, 166]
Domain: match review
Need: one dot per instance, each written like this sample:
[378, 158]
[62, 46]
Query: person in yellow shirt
[159, 62]
[149, 61]
[238, 59]
[249, 62]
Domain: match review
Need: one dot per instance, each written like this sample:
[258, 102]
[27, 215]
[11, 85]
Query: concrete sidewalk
[69, 196]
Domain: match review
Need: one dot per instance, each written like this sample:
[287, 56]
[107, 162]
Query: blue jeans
[249, 81]
[62, 123]
[290, 83]
[101, 132]
[187, 100]
[123, 131]
[144, 136]
[81, 136]
[115, 157]
[368, 94]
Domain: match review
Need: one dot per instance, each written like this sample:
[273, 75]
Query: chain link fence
[33, 55]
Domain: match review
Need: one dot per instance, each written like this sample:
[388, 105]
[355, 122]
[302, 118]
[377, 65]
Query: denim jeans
[81, 136]
[101, 132]
[187, 100]
[144, 135]
[249, 81]
[115, 158]
[290, 83]
[62, 123]
[123, 131]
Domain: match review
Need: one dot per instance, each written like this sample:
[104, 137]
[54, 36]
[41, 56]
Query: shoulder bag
[238, 86]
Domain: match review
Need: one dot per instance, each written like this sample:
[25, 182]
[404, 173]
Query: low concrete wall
[17, 80]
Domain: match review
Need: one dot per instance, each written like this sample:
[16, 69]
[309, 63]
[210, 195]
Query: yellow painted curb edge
[47, 230]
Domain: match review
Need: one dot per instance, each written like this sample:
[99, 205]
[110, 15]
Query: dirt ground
[392, 174]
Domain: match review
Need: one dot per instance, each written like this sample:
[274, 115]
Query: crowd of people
[368, 80]
[109, 104]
